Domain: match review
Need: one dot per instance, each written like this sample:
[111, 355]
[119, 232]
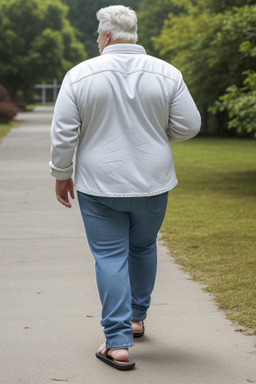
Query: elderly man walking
[118, 112]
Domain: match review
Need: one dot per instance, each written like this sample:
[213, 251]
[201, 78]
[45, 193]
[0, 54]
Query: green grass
[4, 128]
[210, 226]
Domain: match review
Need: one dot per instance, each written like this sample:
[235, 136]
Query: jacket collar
[124, 49]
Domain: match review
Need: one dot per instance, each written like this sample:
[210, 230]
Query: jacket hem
[125, 194]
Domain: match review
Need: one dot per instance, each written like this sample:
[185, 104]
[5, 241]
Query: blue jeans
[122, 234]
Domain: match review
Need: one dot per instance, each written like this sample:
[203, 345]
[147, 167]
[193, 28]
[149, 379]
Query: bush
[8, 110]
[240, 105]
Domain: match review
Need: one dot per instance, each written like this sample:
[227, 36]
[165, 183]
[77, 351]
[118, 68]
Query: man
[119, 111]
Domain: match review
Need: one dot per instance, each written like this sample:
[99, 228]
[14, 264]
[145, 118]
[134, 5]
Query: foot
[137, 326]
[117, 358]
[119, 354]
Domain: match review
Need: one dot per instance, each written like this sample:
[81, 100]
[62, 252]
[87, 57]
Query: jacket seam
[73, 82]
[73, 94]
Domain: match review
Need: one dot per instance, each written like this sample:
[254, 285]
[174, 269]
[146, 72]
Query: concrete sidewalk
[50, 310]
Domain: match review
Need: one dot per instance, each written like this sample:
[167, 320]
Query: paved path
[50, 310]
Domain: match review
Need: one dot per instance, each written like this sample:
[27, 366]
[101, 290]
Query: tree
[37, 44]
[221, 6]
[82, 15]
[240, 105]
[151, 16]
[206, 47]
[239, 100]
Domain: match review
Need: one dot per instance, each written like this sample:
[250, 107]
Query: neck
[120, 42]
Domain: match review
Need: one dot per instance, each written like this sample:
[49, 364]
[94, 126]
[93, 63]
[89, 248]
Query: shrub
[8, 111]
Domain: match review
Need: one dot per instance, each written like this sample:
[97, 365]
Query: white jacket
[119, 111]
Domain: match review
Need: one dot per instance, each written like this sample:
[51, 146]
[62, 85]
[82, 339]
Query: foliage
[210, 223]
[211, 50]
[82, 15]
[151, 16]
[37, 44]
[240, 103]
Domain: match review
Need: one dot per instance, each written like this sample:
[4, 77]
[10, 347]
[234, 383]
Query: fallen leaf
[62, 380]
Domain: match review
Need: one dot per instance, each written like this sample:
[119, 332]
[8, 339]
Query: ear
[109, 37]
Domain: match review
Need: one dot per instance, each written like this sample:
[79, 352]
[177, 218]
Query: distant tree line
[212, 42]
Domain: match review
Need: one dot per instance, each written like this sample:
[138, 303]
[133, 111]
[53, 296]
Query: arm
[64, 136]
[184, 118]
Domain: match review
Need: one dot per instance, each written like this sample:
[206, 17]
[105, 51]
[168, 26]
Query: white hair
[121, 21]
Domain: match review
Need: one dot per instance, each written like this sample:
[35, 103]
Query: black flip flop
[121, 365]
[140, 333]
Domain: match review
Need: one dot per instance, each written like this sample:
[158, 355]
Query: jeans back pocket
[157, 204]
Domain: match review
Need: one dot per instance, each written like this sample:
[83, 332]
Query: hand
[62, 189]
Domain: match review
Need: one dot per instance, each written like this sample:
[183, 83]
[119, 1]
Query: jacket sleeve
[184, 117]
[64, 132]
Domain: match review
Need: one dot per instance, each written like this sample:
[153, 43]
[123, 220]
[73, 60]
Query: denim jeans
[122, 234]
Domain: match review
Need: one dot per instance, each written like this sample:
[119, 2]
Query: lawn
[210, 226]
[4, 128]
